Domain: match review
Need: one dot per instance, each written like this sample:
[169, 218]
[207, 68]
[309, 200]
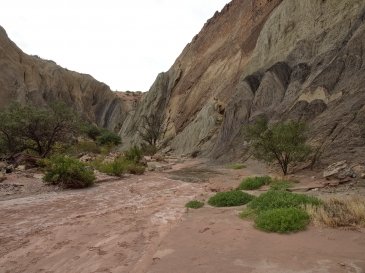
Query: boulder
[359, 170]
[339, 170]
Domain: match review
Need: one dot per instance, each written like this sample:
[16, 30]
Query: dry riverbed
[139, 224]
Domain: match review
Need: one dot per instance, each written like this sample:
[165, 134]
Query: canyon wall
[288, 59]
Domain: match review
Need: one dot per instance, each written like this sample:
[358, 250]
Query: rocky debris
[359, 170]
[87, 158]
[339, 170]
[21, 168]
[26, 161]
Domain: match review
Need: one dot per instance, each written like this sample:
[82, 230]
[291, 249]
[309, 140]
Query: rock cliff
[30, 79]
[285, 59]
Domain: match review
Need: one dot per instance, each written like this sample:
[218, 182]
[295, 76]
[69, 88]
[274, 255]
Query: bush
[230, 199]
[282, 220]
[281, 185]
[86, 147]
[282, 142]
[281, 199]
[134, 154]
[68, 172]
[253, 183]
[92, 131]
[118, 167]
[134, 168]
[108, 138]
[194, 204]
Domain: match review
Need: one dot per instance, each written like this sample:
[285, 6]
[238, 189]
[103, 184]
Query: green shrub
[281, 185]
[92, 131]
[108, 138]
[230, 199]
[281, 199]
[87, 147]
[68, 172]
[118, 167]
[134, 168]
[282, 220]
[194, 204]
[253, 183]
[134, 154]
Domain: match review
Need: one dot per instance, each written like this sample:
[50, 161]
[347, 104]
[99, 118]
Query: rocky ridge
[30, 79]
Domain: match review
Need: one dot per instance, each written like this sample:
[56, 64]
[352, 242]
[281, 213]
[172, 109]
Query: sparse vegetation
[194, 204]
[282, 220]
[339, 212]
[236, 166]
[230, 199]
[68, 172]
[282, 142]
[254, 183]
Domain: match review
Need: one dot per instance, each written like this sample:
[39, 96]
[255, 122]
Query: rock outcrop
[30, 79]
[285, 59]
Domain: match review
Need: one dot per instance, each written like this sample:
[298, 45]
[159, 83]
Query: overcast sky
[123, 43]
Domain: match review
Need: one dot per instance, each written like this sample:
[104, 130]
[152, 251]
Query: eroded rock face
[288, 59]
[29, 79]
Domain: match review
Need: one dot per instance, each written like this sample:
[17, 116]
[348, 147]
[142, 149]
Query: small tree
[151, 129]
[36, 129]
[282, 142]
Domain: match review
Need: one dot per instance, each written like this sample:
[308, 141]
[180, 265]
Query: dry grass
[339, 212]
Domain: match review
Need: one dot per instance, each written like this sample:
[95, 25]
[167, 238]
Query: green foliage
[108, 138]
[281, 199]
[253, 183]
[230, 199]
[282, 220]
[236, 166]
[281, 185]
[68, 172]
[92, 131]
[118, 166]
[134, 168]
[37, 129]
[87, 147]
[282, 142]
[194, 204]
[134, 154]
